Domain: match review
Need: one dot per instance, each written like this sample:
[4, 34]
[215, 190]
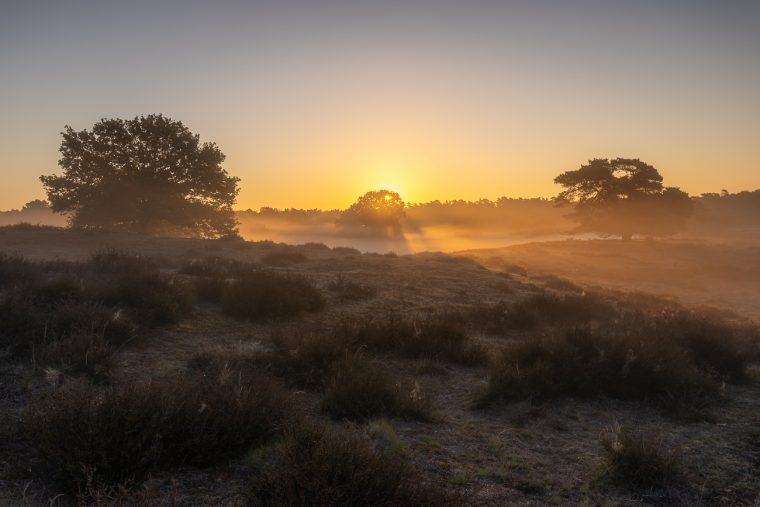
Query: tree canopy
[623, 196]
[149, 174]
[377, 210]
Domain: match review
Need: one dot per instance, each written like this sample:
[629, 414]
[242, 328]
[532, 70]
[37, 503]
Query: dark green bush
[15, 269]
[283, 258]
[541, 309]
[358, 390]
[130, 431]
[436, 337]
[637, 460]
[587, 364]
[326, 466]
[306, 362]
[346, 251]
[348, 290]
[151, 299]
[263, 296]
[217, 267]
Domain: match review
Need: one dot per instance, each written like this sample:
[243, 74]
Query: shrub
[120, 263]
[79, 353]
[586, 365]
[309, 359]
[715, 348]
[353, 387]
[315, 248]
[541, 309]
[348, 290]
[346, 251]
[435, 337]
[514, 269]
[638, 460]
[154, 300]
[129, 431]
[71, 317]
[14, 269]
[558, 283]
[326, 466]
[263, 296]
[216, 267]
[358, 390]
[306, 362]
[283, 258]
[51, 292]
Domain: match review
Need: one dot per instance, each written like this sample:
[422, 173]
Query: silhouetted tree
[149, 174]
[379, 210]
[623, 196]
[36, 205]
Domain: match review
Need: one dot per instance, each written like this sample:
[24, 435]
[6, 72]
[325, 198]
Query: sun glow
[388, 174]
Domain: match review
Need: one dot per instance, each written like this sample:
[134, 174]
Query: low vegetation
[245, 291]
[353, 387]
[438, 337]
[638, 460]
[72, 315]
[308, 417]
[359, 391]
[326, 466]
[126, 432]
[677, 360]
[283, 258]
[349, 290]
[543, 309]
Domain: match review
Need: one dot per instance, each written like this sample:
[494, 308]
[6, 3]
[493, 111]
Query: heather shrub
[245, 291]
[348, 290]
[263, 296]
[353, 387]
[216, 267]
[638, 460]
[128, 431]
[436, 337]
[16, 269]
[358, 390]
[346, 251]
[283, 258]
[558, 283]
[306, 361]
[586, 364]
[327, 466]
[541, 310]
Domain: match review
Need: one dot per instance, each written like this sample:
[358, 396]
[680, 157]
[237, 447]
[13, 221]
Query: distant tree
[376, 210]
[149, 174]
[623, 196]
[36, 205]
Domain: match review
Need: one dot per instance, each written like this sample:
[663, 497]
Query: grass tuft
[638, 460]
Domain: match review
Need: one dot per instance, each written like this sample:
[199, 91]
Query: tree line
[151, 174]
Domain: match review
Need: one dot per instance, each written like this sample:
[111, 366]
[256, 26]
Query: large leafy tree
[623, 196]
[149, 174]
[378, 210]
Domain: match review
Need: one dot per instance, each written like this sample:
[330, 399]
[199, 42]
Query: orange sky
[316, 102]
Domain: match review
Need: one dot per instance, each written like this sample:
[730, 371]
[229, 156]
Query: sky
[315, 102]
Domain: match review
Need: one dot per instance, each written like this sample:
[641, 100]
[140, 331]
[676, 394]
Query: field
[585, 372]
